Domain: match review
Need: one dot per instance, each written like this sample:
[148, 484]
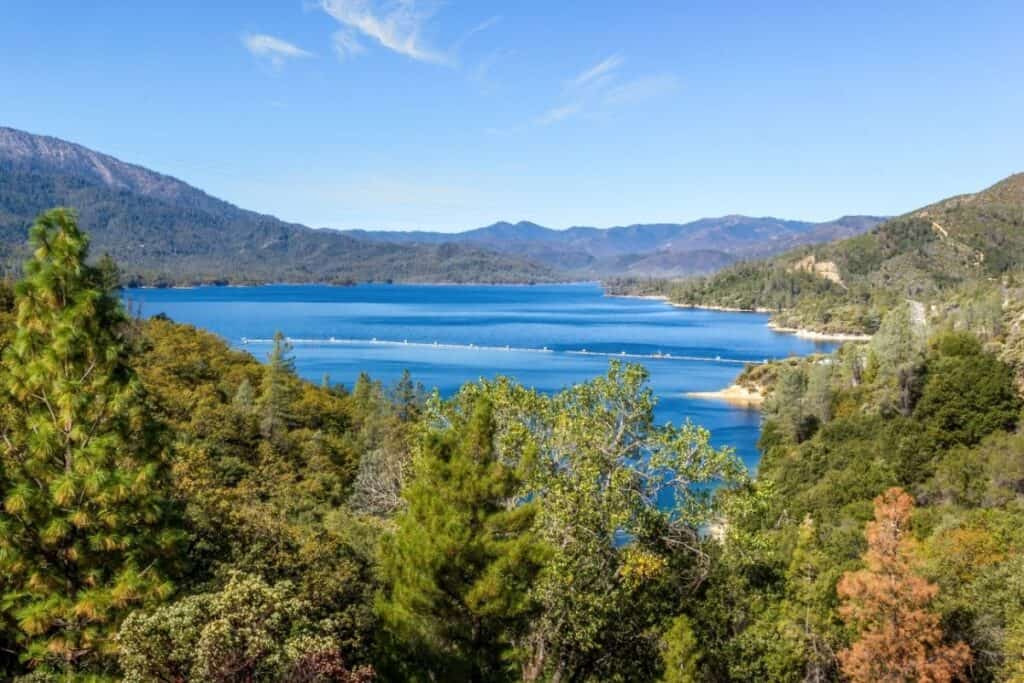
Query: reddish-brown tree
[900, 639]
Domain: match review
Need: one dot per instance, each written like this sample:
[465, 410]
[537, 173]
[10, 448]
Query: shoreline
[801, 332]
[253, 285]
[819, 336]
[724, 309]
[662, 297]
[733, 394]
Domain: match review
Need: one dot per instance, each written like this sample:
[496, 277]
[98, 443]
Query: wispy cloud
[273, 49]
[398, 27]
[643, 88]
[597, 73]
[556, 114]
[602, 87]
[479, 28]
[346, 44]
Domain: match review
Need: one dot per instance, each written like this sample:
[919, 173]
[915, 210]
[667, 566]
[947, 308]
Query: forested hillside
[173, 510]
[963, 253]
[162, 231]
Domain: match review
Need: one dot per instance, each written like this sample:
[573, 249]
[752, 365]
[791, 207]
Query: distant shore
[798, 331]
[734, 394]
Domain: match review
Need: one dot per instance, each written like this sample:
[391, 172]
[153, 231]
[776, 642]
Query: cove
[544, 336]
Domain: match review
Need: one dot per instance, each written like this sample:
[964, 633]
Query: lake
[545, 336]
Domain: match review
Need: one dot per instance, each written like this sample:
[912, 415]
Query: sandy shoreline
[819, 336]
[734, 394]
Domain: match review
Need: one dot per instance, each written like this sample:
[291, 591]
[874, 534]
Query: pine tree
[277, 391]
[408, 397]
[808, 616]
[463, 556]
[85, 529]
[680, 652]
[900, 638]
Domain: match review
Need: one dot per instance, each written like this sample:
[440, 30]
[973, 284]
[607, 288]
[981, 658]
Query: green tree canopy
[458, 569]
[86, 530]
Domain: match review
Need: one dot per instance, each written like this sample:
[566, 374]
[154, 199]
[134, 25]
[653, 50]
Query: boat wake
[333, 341]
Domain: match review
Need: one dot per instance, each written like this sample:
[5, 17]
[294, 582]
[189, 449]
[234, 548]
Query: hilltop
[962, 253]
[161, 230]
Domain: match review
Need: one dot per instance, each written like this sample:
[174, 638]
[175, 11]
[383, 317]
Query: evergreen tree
[459, 566]
[786, 405]
[408, 397]
[809, 619]
[900, 638]
[818, 398]
[896, 354]
[108, 274]
[968, 393]
[680, 653]
[85, 528]
[277, 391]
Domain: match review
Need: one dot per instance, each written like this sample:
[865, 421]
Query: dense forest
[175, 510]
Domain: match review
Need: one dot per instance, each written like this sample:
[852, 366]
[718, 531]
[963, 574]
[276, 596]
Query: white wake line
[477, 347]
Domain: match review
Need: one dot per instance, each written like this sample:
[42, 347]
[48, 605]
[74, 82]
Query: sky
[411, 114]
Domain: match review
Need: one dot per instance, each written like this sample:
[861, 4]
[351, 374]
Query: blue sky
[451, 115]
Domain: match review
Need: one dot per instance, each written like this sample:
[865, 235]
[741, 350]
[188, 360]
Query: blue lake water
[448, 335]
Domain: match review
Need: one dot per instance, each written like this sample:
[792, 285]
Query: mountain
[164, 231]
[963, 253]
[701, 246]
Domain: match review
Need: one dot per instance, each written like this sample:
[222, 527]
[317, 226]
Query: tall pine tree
[458, 568]
[277, 391]
[85, 527]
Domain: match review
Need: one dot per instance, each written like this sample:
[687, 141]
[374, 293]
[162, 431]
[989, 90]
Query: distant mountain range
[164, 231]
[661, 249]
